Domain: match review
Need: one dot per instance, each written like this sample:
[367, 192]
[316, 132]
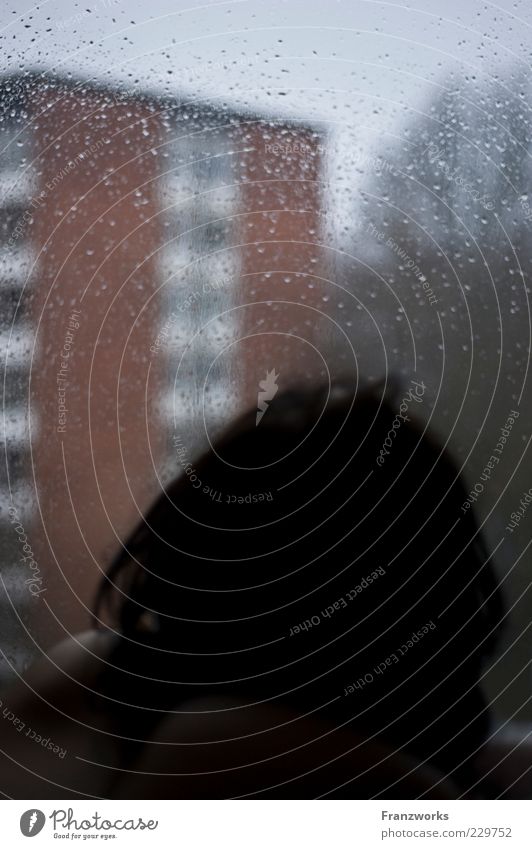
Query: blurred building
[158, 258]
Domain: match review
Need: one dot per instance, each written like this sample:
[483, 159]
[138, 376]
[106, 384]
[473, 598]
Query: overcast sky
[330, 59]
[365, 68]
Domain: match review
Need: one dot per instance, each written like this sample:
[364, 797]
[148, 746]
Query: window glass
[192, 197]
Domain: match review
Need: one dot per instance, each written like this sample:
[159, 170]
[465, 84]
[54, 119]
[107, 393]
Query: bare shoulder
[50, 725]
[80, 656]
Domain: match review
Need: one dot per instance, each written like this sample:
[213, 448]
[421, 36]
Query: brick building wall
[152, 222]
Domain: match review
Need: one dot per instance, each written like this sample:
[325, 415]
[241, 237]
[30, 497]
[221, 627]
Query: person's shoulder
[72, 664]
[55, 732]
[81, 652]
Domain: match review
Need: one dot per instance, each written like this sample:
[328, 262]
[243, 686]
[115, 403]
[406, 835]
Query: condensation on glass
[161, 255]
[157, 266]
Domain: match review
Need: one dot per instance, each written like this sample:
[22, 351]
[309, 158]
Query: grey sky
[342, 61]
[366, 68]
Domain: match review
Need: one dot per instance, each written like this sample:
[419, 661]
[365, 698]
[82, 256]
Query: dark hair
[355, 586]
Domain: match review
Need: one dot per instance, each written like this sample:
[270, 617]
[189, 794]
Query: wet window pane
[194, 199]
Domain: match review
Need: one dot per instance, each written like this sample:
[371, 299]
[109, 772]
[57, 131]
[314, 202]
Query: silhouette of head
[319, 558]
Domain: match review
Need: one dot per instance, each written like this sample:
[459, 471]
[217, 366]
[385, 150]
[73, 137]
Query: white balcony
[218, 333]
[181, 189]
[16, 348]
[178, 260]
[15, 428]
[21, 497]
[15, 266]
[17, 187]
